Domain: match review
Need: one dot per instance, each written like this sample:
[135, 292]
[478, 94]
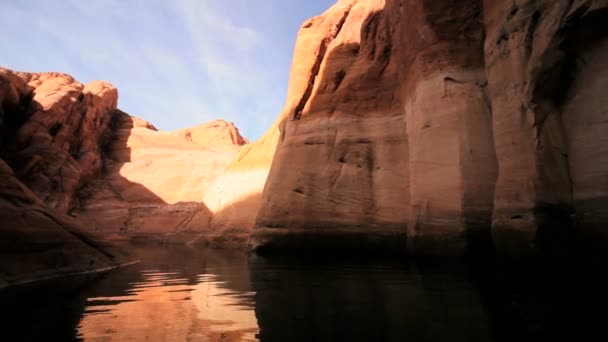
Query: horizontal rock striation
[51, 130]
[153, 182]
[436, 126]
[450, 125]
[65, 148]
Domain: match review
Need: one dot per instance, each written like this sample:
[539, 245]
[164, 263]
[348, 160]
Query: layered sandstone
[340, 158]
[51, 128]
[154, 182]
[434, 120]
[65, 148]
[391, 134]
[446, 125]
[546, 70]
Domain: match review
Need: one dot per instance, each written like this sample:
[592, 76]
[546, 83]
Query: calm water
[187, 294]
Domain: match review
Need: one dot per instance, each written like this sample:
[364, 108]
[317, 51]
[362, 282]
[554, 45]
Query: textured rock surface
[340, 162]
[217, 132]
[438, 119]
[544, 65]
[50, 128]
[53, 141]
[443, 124]
[66, 148]
[393, 130]
[154, 182]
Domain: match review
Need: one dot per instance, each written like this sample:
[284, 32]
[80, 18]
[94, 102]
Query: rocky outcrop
[391, 135]
[340, 160]
[52, 138]
[51, 127]
[433, 121]
[153, 182]
[217, 132]
[545, 63]
[65, 148]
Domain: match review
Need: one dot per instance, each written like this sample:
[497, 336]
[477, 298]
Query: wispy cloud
[176, 63]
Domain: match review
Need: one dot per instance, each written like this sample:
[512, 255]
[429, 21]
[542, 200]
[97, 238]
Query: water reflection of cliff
[204, 299]
[323, 299]
[180, 294]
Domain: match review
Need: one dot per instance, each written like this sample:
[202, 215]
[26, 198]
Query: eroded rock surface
[51, 129]
[545, 68]
[65, 148]
[441, 124]
[433, 121]
[154, 182]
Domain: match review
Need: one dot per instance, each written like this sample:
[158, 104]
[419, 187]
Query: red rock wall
[53, 140]
[539, 56]
[443, 123]
[50, 129]
[436, 120]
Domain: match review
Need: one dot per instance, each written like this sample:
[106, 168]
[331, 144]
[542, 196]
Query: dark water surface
[188, 294]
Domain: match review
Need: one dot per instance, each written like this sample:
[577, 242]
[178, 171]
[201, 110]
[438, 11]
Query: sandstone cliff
[444, 125]
[65, 148]
[433, 121]
[154, 182]
[51, 129]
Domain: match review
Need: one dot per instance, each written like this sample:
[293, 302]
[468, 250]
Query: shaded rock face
[545, 63]
[433, 121]
[51, 129]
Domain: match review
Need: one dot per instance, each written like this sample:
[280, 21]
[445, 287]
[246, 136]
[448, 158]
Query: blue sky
[176, 63]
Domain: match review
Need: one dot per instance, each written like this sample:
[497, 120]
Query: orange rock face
[66, 148]
[443, 125]
[431, 121]
[154, 182]
[51, 132]
[53, 143]
[546, 68]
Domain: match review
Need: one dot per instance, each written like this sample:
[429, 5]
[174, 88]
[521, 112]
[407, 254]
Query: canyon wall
[452, 125]
[75, 169]
[51, 132]
[342, 156]
[545, 63]
[436, 126]
[154, 182]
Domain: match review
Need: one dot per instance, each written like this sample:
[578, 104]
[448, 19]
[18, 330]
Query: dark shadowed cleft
[317, 66]
[339, 77]
[55, 128]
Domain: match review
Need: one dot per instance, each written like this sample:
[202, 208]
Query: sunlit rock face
[342, 155]
[433, 121]
[392, 135]
[74, 151]
[154, 182]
